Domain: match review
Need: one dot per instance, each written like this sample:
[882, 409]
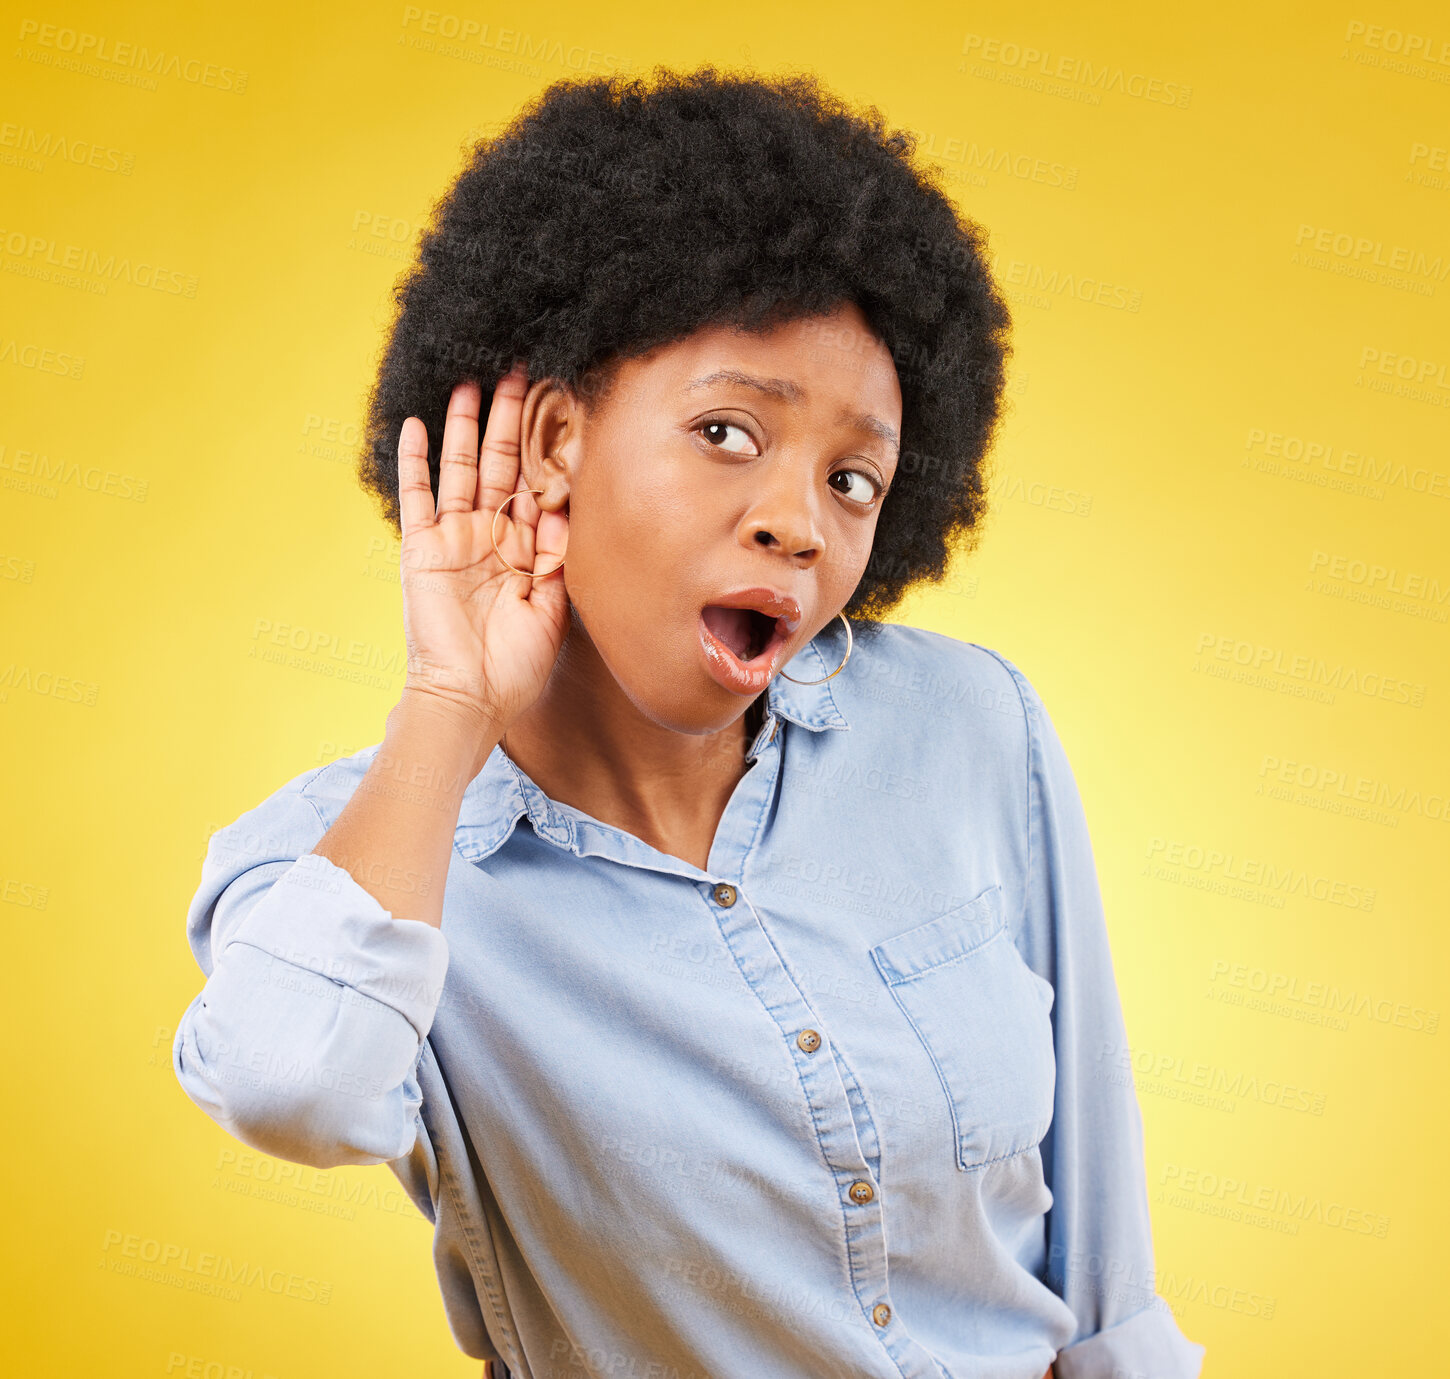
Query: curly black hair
[611, 216]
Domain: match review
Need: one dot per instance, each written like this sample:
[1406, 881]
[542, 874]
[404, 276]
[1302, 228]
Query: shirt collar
[501, 793]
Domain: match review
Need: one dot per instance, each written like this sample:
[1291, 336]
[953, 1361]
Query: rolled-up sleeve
[304, 1042]
[1099, 1233]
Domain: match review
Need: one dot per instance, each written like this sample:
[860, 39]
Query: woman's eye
[722, 426]
[866, 490]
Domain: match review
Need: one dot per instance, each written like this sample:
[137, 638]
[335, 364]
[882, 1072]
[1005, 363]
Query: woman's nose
[783, 518]
[792, 535]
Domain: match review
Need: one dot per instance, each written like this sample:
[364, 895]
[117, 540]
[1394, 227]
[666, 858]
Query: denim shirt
[848, 1102]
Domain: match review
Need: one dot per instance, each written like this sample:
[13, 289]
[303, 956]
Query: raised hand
[480, 638]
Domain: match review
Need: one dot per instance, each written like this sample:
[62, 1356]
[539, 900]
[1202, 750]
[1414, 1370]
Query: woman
[720, 968]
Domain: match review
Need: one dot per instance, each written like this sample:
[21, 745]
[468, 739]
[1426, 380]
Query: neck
[585, 744]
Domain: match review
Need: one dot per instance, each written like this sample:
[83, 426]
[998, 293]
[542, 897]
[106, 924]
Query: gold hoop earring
[849, 642]
[493, 536]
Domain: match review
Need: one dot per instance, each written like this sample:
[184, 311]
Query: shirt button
[881, 1314]
[725, 894]
[809, 1040]
[862, 1192]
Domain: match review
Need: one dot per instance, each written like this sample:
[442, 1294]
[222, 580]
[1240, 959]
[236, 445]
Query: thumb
[551, 539]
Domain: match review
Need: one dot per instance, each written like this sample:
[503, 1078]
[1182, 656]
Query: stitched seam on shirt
[805, 1091]
[308, 781]
[1017, 677]
[1030, 706]
[931, 1053]
[345, 986]
[492, 1287]
[1011, 1154]
[941, 1077]
[835, 1050]
[1033, 752]
[312, 805]
[951, 961]
[777, 788]
[951, 1099]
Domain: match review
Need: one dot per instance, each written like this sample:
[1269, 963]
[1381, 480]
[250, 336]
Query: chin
[707, 709]
[685, 699]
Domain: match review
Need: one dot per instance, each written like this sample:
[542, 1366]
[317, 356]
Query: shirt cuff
[1148, 1345]
[316, 916]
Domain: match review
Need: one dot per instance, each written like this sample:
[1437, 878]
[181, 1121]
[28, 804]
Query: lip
[727, 669]
[764, 598]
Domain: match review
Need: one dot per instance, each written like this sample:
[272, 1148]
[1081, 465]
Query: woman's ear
[550, 441]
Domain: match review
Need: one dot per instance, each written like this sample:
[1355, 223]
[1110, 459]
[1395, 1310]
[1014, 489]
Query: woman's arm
[395, 834]
[306, 1039]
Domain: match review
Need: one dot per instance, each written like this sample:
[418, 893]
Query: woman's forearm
[395, 835]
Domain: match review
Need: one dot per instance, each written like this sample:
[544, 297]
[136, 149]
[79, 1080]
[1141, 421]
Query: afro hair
[611, 216]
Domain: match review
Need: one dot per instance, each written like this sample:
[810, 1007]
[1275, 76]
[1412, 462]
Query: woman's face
[719, 465]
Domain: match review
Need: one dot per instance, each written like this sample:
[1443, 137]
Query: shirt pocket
[984, 1017]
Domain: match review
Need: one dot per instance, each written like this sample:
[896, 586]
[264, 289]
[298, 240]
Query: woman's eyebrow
[792, 392]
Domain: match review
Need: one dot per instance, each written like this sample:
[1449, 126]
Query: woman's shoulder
[290, 820]
[948, 680]
[940, 733]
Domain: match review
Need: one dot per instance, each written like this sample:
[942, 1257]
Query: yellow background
[1182, 487]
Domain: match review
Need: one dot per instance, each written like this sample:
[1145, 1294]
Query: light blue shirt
[849, 1103]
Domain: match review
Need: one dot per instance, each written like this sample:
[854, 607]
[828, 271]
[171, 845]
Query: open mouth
[745, 631]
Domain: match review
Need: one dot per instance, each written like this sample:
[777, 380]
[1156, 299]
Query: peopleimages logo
[1296, 1204]
[1258, 871]
[165, 1261]
[1260, 659]
[97, 54]
[1360, 789]
[1373, 253]
[1210, 1078]
[1398, 42]
[1324, 995]
[1038, 63]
